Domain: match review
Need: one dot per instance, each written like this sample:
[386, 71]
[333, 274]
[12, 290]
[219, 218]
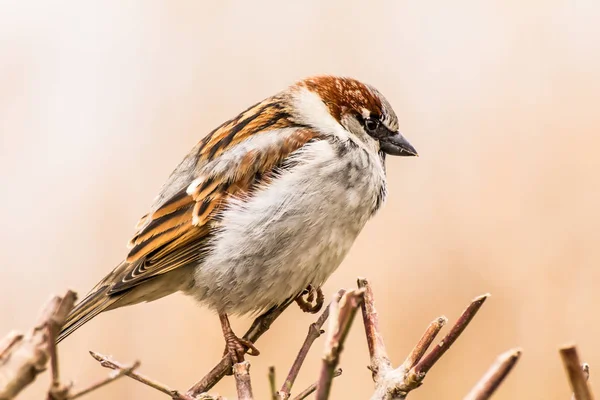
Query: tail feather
[93, 304]
[103, 296]
[96, 301]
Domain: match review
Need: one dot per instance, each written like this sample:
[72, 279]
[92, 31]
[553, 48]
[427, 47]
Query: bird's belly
[290, 234]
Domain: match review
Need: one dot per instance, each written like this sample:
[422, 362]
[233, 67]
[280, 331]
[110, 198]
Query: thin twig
[52, 333]
[57, 390]
[7, 342]
[241, 372]
[113, 376]
[273, 383]
[258, 328]
[109, 363]
[396, 383]
[25, 356]
[342, 314]
[423, 344]
[63, 306]
[495, 375]
[309, 390]
[380, 361]
[577, 380]
[459, 326]
[585, 367]
[314, 331]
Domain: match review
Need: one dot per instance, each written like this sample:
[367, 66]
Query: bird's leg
[235, 346]
[306, 304]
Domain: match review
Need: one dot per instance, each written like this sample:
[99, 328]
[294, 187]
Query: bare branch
[273, 383]
[113, 376]
[8, 342]
[380, 362]
[61, 308]
[39, 346]
[488, 384]
[342, 314]
[309, 390]
[314, 331]
[421, 347]
[258, 328]
[57, 390]
[108, 363]
[241, 372]
[585, 367]
[459, 326]
[25, 356]
[396, 383]
[573, 368]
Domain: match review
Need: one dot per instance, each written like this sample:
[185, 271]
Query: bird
[267, 204]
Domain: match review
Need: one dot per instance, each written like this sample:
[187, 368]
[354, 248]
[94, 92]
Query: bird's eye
[371, 124]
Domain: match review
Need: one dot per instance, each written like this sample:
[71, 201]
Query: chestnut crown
[362, 110]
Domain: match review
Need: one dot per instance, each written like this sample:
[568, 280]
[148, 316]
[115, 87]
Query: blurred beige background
[100, 100]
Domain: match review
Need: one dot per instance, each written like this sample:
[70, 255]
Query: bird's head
[352, 110]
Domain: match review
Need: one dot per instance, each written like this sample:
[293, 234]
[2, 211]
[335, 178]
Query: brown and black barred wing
[230, 162]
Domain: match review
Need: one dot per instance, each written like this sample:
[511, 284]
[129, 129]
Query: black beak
[397, 145]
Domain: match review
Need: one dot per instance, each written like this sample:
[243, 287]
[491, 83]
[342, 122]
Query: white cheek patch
[313, 112]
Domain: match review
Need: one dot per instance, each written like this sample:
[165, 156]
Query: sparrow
[264, 206]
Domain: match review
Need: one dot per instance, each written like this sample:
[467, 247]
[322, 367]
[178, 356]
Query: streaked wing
[231, 162]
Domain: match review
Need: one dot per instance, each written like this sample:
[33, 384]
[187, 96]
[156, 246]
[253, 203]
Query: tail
[93, 304]
[96, 301]
[115, 291]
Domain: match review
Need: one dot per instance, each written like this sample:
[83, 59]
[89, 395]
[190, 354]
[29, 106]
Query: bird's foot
[236, 347]
[312, 295]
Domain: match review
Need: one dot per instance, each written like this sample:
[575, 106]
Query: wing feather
[189, 215]
[230, 162]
